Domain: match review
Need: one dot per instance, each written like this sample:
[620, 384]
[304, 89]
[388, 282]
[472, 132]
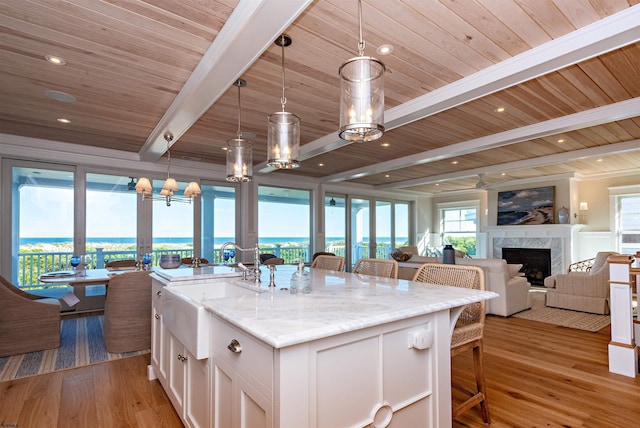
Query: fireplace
[536, 262]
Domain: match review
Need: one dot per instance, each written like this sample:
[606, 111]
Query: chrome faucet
[255, 271]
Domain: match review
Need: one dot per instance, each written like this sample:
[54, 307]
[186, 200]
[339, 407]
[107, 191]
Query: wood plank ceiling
[565, 73]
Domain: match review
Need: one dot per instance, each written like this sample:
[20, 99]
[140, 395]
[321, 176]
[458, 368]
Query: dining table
[78, 300]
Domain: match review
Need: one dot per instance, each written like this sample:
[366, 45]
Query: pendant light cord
[283, 100]
[361, 42]
[239, 115]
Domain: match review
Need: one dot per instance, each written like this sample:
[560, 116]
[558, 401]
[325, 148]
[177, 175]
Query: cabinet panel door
[254, 408]
[156, 340]
[165, 352]
[197, 399]
[176, 371]
[222, 390]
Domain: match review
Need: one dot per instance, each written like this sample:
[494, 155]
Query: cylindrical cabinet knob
[159, 293]
[235, 346]
[157, 316]
[180, 357]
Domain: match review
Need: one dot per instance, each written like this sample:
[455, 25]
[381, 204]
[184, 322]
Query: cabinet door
[156, 340]
[197, 404]
[176, 372]
[254, 409]
[222, 394]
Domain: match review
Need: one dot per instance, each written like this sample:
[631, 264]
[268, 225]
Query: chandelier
[283, 133]
[144, 187]
[239, 151]
[362, 95]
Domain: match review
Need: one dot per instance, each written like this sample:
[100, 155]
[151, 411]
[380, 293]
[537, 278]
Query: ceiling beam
[605, 35]
[249, 31]
[572, 122]
[610, 149]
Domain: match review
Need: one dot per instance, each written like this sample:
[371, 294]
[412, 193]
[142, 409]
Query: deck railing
[32, 265]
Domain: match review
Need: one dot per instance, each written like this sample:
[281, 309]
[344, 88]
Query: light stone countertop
[339, 302]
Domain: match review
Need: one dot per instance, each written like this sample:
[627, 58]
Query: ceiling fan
[481, 184]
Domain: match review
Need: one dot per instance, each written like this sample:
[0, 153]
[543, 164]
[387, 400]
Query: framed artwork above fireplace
[526, 206]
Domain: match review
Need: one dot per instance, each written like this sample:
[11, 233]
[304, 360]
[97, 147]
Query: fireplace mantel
[560, 238]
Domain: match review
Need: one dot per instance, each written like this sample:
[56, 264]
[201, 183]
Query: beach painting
[526, 206]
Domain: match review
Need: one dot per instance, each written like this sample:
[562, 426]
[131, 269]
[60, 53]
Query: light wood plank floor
[538, 375]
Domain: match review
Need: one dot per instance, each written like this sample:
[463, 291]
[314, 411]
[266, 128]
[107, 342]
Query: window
[360, 232]
[172, 226]
[458, 227]
[218, 204]
[628, 223]
[334, 225]
[42, 221]
[284, 222]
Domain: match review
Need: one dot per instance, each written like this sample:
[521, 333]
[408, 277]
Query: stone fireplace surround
[559, 238]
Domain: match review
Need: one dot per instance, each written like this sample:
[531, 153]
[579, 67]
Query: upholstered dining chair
[189, 261]
[28, 322]
[121, 263]
[321, 253]
[127, 312]
[328, 263]
[377, 267]
[273, 261]
[468, 331]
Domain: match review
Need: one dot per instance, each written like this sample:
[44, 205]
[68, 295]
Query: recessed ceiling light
[320, 164]
[454, 162]
[385, 144]
[63, 120]
[503, 174]
[55, 60]
[384, 49]
[561, 140]
[225, 148]
[386, 175]
[499, 110]
[437, 184]
[599, 160]
[60, 96]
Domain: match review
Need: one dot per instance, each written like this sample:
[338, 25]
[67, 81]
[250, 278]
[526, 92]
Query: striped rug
[81, 344]
[562, 317]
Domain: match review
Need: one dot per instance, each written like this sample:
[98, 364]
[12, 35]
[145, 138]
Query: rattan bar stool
[468, 331]
[377, 267]
[328, 263]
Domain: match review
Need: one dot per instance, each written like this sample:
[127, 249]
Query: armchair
[28, 322]
[586, 290]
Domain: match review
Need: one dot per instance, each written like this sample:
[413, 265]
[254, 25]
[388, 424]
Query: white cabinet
[185, 379]
[383, 374]
[242, 378]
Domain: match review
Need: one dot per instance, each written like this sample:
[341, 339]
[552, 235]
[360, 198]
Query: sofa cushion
[514, 269]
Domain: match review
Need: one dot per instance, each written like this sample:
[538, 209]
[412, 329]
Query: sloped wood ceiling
[565, 73]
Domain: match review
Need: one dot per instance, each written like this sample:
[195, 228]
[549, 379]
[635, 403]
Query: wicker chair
[377, 267]
[321, 253]
[189, 261]
[121, 263]
[468, 331]
[328, 263]
[273, 261]
[28, 322]
[127, 312]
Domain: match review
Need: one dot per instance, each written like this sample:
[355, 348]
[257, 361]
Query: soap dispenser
[300, 280]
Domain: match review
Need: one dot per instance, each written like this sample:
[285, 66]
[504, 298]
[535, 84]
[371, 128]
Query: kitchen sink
[185, 316]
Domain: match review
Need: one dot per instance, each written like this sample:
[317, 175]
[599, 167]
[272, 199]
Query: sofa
[586, 291]
[500, 277]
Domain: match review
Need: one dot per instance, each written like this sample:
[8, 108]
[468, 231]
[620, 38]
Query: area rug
[562, 317]
[81, 344]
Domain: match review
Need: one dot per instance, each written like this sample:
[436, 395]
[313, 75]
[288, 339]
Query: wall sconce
[584, 207]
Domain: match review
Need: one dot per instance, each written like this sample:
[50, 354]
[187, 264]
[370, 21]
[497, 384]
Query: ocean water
[186, 241]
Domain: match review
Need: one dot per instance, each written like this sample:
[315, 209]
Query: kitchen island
[356, 351]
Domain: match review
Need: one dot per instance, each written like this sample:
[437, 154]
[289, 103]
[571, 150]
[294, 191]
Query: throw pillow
[514, 269]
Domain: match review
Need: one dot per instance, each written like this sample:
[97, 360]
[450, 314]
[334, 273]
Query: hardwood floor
[538, 375]
[541, 375]
[113, 394]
